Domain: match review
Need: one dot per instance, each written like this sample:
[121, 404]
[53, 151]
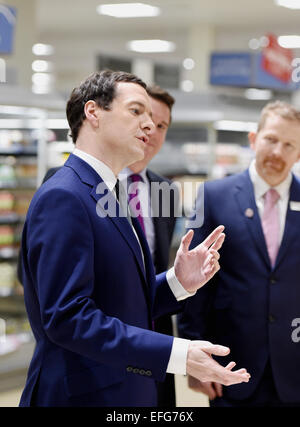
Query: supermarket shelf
[12, 305]
[18, 151]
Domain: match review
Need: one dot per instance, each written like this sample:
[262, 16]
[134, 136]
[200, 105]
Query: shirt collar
[261, 186]
[101, 168]
[126, 172]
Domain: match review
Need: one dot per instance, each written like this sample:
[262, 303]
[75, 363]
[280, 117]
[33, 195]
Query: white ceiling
[79, 34]
[73, 16]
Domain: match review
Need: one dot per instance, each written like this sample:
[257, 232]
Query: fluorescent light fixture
[235, 126]
[289, 42]
[151, 46]
[290, 4]
[128, 10]
[258, 94]
[41, 49]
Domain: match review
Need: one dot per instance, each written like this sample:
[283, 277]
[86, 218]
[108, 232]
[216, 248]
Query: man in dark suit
[158, 227]
[89, 283]
[253, 300]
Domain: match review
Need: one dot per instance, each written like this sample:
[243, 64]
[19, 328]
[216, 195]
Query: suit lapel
[106, 204]
[291, 230]
[245, 198]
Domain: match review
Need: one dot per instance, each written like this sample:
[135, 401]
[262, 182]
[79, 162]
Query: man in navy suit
[252, 302]
[89, 283]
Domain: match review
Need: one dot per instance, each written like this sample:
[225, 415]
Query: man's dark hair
[98, 87]
[161, 95]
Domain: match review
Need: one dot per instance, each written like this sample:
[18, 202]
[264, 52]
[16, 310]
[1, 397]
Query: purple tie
[270, 223]
[134, 194]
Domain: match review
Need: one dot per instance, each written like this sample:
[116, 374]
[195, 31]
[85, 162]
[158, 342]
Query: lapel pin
[249, 213]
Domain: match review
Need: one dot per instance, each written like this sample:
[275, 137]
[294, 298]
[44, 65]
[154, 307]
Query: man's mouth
[278, 165]
[144, 139]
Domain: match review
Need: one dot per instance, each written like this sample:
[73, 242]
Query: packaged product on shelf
[7, 278]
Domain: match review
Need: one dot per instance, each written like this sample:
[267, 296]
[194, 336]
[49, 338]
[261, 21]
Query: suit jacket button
[273, 281]
[135, 371]
[148, 373]
[129, 369]
[142, 372]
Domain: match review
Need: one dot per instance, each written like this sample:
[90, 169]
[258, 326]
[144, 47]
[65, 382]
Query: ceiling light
[254, 44]
[290, 4]
[41, 66]
[289, 42]
[188, 63]
[42, 79]
[187, 85]
[150, 46]
[235, 126]
[258, 94]
[41, 49]
[128, 10]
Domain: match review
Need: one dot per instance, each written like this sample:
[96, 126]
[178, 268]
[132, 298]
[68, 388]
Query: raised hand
[202, 366]
[193, 268]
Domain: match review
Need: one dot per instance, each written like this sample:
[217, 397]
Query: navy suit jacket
[249, 306]
[90, 300]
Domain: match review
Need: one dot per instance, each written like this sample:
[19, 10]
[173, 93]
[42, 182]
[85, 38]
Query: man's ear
[252, 139]
[91, 111]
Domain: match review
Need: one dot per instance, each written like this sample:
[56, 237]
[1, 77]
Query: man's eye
[135, 110]
[271, 139]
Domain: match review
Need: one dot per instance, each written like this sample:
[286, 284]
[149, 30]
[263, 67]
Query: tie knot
[135, 177]
[271, 196]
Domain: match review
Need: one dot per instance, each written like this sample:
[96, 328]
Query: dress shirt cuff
[176, 287]
[178, 358]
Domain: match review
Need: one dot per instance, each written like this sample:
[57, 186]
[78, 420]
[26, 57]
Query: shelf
[9, 253]
[18, 151]
[20, 183]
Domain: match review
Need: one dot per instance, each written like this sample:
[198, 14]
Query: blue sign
[7, 28]
[231, 69]
[244, 70]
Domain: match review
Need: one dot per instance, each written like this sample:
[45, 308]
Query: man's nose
[278, 149]
[148, 126]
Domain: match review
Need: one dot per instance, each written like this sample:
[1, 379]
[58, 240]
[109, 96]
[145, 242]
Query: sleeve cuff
[178, 358]
[176, 287]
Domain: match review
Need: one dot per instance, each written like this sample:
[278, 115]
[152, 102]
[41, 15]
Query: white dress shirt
[178, 357]
[260, 188]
